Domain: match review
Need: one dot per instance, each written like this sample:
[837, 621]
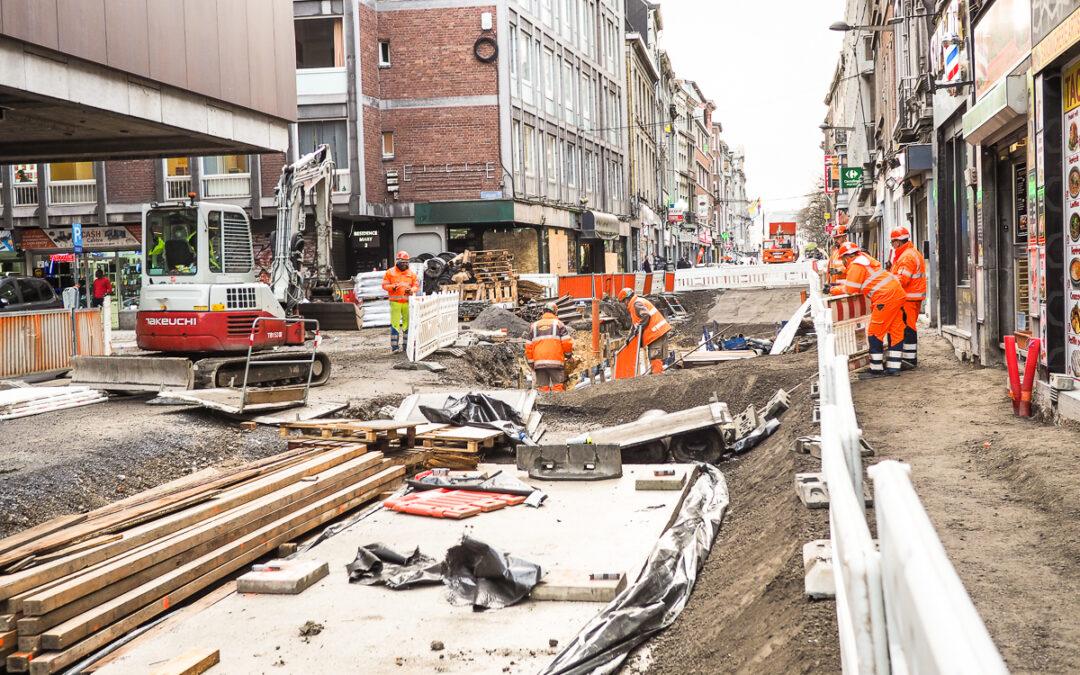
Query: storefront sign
[675, 217]
[1020, 197]
[1058, 41]
[851, 177]
[1002, 41]
[366, 238]
[113, 236]
[1071, 152]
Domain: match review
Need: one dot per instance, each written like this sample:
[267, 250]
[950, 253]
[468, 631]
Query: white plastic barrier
[433, 323]
[548, 281]
[744, 276]
[933, 627]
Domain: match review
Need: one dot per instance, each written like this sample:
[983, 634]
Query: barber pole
[952, 62]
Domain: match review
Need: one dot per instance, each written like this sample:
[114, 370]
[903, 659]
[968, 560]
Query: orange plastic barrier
[455, 504]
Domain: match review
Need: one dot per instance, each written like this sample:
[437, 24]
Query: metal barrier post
[251, 348]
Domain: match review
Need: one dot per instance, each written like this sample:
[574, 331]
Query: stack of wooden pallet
[380, 435]
[493, 277]
[457, 448]
[76, 583]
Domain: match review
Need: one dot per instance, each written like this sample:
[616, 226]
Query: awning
[1001, 106]
[598, 225]
[465, 212]
[649, 218]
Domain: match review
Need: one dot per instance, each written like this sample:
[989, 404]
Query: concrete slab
[579, 586]
[653, 481]
[600, 526]
[287, 577]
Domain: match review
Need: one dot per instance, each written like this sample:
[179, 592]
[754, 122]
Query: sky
[767, 65]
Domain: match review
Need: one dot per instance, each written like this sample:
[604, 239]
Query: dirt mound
[494, 365]
[497, 318]
[747, 612]
[366, 409]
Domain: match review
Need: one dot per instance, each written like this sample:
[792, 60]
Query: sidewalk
[1002, 492]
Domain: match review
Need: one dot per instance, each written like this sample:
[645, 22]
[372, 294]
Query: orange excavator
[780, 246]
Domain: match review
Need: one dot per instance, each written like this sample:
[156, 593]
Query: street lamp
[843, 27]
[829, 127]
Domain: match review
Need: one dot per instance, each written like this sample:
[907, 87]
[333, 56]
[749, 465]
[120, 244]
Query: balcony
[342, 183]
[26, 194]
[177, 187]
[231, 185]
[69, 192]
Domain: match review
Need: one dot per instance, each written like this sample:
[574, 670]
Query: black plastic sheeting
[657, 597]
[755, 437]
[475, 573]
[479, 410]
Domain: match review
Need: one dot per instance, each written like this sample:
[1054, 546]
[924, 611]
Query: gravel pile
[497, 318]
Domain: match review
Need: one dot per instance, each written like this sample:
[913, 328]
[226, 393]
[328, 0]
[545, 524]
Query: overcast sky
[767, 65]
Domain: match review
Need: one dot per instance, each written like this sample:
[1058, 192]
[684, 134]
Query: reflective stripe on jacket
[397, 283]
[549, 343]
[910, 269]
[656, 326]
[866, 276]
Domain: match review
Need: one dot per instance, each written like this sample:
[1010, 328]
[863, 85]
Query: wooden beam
[191, 663]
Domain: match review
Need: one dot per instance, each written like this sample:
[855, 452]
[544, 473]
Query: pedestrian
[547, 349]
[812, 252]
[650, 325]
[909, 266]
[864, 275]
[400, 282]
[836, 271]
[646, 266]
[102, 288]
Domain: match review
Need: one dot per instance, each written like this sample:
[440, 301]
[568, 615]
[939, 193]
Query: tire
[704, 445]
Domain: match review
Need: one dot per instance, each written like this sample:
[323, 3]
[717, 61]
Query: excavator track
[228, 371]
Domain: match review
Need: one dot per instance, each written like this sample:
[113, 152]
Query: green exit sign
[851, 176]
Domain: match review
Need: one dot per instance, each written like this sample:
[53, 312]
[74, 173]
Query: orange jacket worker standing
[546, 351]
[865, 276]
[400, 282]
[651, 324]
[909, 266]
[836, 265]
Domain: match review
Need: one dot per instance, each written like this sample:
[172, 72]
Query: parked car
[27, 294]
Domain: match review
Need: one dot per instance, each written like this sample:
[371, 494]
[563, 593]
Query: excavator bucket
[133, 373]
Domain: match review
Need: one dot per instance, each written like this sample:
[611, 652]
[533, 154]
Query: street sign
[851, 176]
[76, 238]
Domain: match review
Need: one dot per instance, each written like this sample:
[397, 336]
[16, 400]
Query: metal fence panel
[433, 323]
[37, 342]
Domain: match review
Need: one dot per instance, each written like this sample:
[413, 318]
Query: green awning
[465, 212]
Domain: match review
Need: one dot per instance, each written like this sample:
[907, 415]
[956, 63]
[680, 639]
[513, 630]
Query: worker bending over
[836, 270]
[909, 266]
[400, 282]
[650, 324]
[865, 276]
[548, 348]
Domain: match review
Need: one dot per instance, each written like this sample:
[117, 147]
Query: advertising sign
[1002, 41]
[851, 177]
[1020, 198]
[1071, 147]
[76, 237]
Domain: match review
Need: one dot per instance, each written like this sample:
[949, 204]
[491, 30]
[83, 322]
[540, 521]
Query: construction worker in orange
[650, 325]
[547, 349]
[865, 276]
[400, 282]
[909, 266]
[836, 270]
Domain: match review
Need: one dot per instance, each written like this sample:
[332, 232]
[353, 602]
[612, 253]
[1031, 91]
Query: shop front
[115, 250]
[601, 247]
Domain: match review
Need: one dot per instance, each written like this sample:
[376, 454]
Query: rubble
[497, 318]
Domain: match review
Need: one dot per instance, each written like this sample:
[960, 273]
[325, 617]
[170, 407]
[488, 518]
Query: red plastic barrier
[1029, 377]
[1014, 372]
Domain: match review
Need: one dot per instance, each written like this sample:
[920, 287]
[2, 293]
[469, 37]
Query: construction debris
[565, 585]
[497, 318]
[77, 583]
[26, 401]
[282, 577]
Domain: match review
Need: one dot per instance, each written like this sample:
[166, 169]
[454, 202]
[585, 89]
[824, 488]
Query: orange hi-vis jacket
[398, 284]
[549, 343]
[641, 310]
[866, 276]
[910, 269]
[836, 270]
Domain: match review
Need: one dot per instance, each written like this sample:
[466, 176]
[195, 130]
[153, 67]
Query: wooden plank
[19, 662]
[191, 663]
[251, 548]
[7, 621]
[221, 529]
[48, 527]
[8, 642]
[17, 583]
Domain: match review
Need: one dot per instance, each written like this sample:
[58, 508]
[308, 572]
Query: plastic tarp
[654, 600]
[475, 573]
[480, 410]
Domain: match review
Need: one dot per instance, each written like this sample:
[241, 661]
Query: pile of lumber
[26, 401]
[75, 584]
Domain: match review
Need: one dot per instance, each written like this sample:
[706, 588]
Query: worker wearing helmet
[837, 270]
[865, 276]
[650, 324]
[548, 347]
[812, 252]
[909, 266]
[400, 282]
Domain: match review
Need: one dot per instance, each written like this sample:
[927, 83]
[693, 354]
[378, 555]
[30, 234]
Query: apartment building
[646, 118]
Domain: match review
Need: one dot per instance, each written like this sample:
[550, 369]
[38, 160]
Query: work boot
[907, 365]
[875, 374]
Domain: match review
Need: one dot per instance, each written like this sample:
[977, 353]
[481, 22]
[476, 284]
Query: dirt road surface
[1002, 492]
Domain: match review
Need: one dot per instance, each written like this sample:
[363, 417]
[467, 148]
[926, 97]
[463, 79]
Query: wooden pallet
[460, 439]
[377, 432]
[94, 578]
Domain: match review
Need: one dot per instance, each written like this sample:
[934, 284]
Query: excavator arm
[306, 184]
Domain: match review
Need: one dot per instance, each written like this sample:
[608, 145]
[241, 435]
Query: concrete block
[191, 663]
[655, 482]
[807, 444]
[577, 586]
[812, 491]
[1069, 405]
[818, 582]
[283, 577]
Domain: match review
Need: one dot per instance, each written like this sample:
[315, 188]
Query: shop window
[388, 145]
[71, 171]
[26, 173]
[225, 165]
[320, 43]
[334, 133]
[384, 53]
